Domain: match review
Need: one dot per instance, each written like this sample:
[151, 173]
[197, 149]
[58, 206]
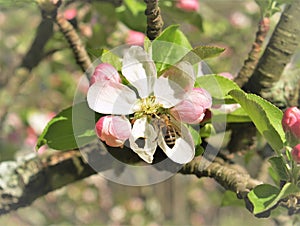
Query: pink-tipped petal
[120, 127]
[105, 72]
[172, 86]
[106, 132]
[111, 98]
[191, 110]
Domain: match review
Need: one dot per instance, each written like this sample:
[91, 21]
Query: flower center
[147, 106]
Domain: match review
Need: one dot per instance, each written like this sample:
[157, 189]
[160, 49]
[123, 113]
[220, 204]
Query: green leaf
[230, 199]
[106, 56]
[207, 130]
[265, 116]
[202, 52]
[265, 196]
[195, 134]
[270, 7]
[218, 86]
[111, 58]
[264, 5]
[62, 134]
[195, 19]
[169, 47]
[237, 116]
[197, 140]
[279, 166]
[96, 52]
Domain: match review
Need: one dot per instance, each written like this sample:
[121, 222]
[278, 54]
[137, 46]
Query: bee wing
[184, 149]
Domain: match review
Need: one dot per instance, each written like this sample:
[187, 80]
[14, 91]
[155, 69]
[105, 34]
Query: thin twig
[81, 56]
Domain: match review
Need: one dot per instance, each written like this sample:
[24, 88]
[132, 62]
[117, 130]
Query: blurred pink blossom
[188, 5]
[135, 37]
[239, 20]
[37, 122]
[70, 14]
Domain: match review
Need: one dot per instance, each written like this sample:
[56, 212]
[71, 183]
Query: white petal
[172, 86]
[167, 92]
[111, 98]
[183, 150]
[139, 70]
[144, 132]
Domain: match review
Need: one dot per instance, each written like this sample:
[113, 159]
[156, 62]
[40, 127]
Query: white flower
[149, 105]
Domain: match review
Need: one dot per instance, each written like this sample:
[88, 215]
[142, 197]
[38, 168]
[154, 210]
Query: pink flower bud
[105, 72]
[188, 5]
[191, 110]
[135, 37]
[114, 130]
[291, 122]
[296, 153]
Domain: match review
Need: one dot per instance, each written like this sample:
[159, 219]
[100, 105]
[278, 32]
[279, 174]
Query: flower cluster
[150, 110]
[291, 126]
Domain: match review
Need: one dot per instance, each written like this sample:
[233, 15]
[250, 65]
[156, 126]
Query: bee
[170, 131]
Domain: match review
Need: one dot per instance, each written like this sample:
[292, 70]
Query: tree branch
[35, 53]
[281, 47]
[254, 54]
[230, 176]
[24, 181]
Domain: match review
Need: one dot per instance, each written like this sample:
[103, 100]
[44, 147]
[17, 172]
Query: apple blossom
[105, 72]
[188, 5]
[153, 97]
[291, 123]
[191, 110]
[70, 14]
[296, 153]
[135, 37]
[114, 130]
